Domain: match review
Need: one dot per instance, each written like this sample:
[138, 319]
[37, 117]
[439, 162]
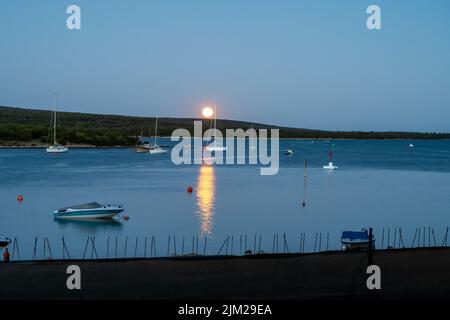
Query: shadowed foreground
[406, 274]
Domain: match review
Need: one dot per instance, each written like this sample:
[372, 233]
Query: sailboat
[56, 147]
[155, 149]
[214, 147]
[330, 165]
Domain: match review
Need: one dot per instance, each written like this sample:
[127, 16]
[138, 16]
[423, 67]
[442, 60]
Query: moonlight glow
[207, 112]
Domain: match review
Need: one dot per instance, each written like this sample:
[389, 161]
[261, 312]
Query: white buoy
[330, 165]
[411, 145]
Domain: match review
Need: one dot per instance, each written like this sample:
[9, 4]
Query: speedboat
[4, 241]
[92, 210]
[356, 240]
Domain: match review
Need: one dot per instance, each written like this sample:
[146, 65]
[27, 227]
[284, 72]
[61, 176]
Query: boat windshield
[91, 205]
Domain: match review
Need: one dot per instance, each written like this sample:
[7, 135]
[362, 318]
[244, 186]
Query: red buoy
[189, 189]
[20, 198]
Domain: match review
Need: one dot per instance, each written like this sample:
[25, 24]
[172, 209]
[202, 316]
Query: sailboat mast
[215, 123]
[156, 128]
[54, 122]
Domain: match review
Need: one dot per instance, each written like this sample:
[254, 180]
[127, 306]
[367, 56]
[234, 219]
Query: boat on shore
[356, 240]
[92, 210]
[4, 241]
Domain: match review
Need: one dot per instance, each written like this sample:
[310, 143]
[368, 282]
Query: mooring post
[414, 239]
[136, 247]
[182, 247]
[370, 246]
[204, 246]
[145, 247]
[107, 248]
[315, 243]
[168, 246]
[35, 245]
[85, 248]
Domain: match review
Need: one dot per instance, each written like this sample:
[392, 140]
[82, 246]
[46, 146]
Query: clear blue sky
[298, 63]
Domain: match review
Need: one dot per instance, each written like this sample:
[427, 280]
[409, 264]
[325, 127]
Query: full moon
[207, 112]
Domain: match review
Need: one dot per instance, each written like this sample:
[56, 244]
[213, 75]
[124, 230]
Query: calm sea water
[379, 184]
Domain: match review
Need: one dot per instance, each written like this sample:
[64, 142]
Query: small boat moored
[289, 152]
[92, 210]
[356, 240]
[4, 241]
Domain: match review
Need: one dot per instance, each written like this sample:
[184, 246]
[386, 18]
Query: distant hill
[19, 125]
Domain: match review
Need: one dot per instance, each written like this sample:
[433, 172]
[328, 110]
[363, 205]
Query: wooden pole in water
[126, 246]
[34, 250]
[303, 242]
[315, 243]
[85, 248]
[196, 246]
[414, 239]
[174, 245]
[434, 237]
[277, 242]
[254, 244]
[429, 236]
[259, 244]
[245, 245]
[168, 246]
[370, 247]
[136, 247]
[395, 236]
[182, 247]
[107, 249]
[389, 238]
[273, 244]
[232, 244]
[145, 247]
[424, 236]
[382, 239]
[328, 239]
[204, 245]
[115, 251]
[320, 242]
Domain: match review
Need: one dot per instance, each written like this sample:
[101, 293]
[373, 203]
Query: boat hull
[157, 151]
[57, 150]
[88, 214]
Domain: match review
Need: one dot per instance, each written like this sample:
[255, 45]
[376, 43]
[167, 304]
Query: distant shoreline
[25, 145]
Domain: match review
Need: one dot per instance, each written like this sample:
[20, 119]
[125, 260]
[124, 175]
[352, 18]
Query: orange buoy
[20, 198]
[126, 217]
[189, 189]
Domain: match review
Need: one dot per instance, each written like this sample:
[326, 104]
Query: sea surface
[379, 184]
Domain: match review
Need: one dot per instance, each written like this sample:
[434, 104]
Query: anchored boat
[56, 147]
[92, 210]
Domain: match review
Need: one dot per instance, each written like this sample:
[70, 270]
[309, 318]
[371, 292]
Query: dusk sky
[311, 64]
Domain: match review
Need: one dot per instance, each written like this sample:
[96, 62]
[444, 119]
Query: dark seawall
[405, 274]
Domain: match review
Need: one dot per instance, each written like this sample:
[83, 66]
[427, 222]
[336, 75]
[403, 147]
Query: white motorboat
[92, 210]
[56, 147]
[289, 152]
